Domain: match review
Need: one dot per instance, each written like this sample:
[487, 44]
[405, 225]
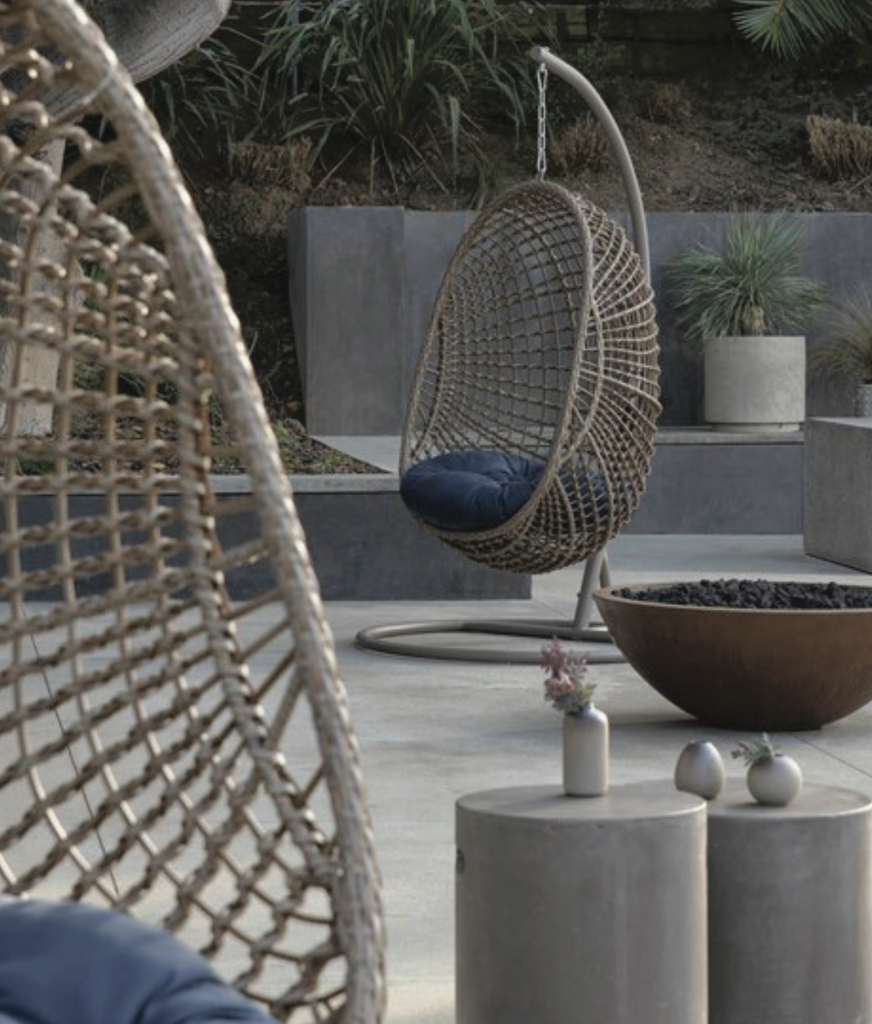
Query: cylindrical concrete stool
[574, 910]
[790, 909]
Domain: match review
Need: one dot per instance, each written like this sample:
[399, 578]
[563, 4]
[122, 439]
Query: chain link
[542, 136]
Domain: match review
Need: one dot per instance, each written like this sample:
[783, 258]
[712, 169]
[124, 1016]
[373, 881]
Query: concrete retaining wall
[363, 282]
[363, 543]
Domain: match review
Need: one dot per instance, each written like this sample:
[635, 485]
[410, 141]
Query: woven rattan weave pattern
[163, 749]
[543, 343]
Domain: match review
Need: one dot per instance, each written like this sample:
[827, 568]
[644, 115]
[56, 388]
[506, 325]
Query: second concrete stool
[790, 909]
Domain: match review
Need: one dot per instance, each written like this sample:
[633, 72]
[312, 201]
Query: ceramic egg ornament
[700, 770]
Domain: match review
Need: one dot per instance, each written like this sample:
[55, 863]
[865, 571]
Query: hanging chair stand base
[392, 639]
[388, 640]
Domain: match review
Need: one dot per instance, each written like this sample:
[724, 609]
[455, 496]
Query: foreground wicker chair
[164, 749]
[542, 350]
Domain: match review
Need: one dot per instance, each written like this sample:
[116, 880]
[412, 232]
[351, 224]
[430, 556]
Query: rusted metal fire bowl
[740, 668]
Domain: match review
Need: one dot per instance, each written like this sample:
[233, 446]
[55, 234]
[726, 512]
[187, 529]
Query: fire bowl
[746, 668]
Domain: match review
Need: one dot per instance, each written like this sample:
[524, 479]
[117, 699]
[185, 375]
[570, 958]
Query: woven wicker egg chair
[174, 736]
[543, 346]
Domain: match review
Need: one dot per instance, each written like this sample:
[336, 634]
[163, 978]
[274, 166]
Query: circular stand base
[394, 640]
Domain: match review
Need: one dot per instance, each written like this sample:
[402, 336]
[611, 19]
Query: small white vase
[775, 781]
[700, 770]
[586, 753]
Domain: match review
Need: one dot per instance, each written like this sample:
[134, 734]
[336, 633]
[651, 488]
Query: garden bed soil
[724, 143]
[754, 594]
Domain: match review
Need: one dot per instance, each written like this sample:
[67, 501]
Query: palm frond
[789, 27]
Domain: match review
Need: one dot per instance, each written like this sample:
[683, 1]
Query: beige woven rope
[165, 747]
[543, 343]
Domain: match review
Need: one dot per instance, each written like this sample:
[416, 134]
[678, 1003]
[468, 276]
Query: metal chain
[542, 137]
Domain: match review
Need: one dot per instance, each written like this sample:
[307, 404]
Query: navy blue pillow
[65, 963]
[470, 490]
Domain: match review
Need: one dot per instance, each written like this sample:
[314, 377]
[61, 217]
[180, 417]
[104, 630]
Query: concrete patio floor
[431, 731]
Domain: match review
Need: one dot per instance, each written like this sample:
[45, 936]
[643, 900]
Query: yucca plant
[753, 286]
[392, 73]
[845, 358]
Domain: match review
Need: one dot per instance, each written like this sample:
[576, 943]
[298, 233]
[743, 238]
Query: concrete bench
[837, 491]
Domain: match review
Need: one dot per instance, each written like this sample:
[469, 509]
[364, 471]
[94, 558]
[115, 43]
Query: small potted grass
[844, 359]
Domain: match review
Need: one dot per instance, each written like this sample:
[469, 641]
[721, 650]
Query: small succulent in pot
[700, 770]
[773, 778]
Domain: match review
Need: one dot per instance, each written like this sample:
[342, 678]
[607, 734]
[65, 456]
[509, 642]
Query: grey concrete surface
[431, 732]
[362, 285]
[837, 491]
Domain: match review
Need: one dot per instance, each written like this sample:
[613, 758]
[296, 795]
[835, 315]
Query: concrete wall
[363, 281]
[363, 543]
[708, 483]
[362, 285]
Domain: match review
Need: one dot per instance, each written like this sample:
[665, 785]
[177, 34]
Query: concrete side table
[581, 910]
[790, 909]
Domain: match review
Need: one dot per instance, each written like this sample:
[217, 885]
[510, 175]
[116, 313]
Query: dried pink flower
[565, 687]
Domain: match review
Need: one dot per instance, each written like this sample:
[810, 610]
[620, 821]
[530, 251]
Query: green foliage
[790, 27]
[208, 90]
[393, 73]
[752, 287]
[755, 751]
[846, 356]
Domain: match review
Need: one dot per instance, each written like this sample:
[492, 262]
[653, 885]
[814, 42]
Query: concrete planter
[755, 385]
[863, 400]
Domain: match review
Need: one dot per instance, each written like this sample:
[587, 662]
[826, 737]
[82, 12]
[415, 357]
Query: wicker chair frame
[174, 742]
[543, 343]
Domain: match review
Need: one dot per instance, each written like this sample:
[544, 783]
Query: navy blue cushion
[470, 490]
[65, 963]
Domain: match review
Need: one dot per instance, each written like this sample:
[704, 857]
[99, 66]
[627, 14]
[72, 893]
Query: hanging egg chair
[540, 374]
[531, 425]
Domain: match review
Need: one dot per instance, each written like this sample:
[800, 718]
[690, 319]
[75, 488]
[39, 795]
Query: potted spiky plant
[736, 301]
[773, 778]
[845, 358]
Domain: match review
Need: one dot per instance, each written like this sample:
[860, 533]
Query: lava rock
[751, 594]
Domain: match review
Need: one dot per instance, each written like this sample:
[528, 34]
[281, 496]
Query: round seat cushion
[468, 491]
[66, 963]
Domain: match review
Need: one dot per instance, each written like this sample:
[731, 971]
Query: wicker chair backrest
[174, 738]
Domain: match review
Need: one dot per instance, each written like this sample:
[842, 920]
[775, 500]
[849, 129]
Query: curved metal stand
[542, 55]
[389, 639]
